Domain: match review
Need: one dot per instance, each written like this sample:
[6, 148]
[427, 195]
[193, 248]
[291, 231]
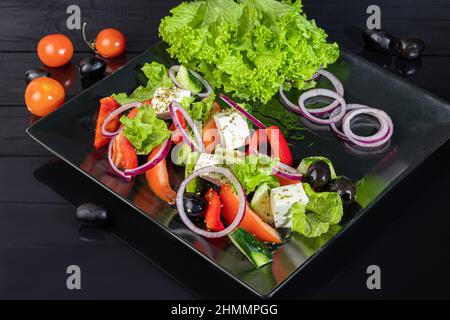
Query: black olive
[91, 67]
[407, 68]
[344, 187]
[32, 74]
[318, 174]
[194, 205]
[379, 40]
[410, 48]
[91, 215]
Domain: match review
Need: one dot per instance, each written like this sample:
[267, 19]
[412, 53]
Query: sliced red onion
[284, 171]
[116, 170]
[320, 111]
[286, 102]
[337, 84]
[382, 131]
[198, 144]
[161, 155]
[334, 126]
[370, 141]
[241, 196]
[172, 73]
[325, 93]
[233, 104]
[117, 113]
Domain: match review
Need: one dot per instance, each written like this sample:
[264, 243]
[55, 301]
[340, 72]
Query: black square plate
[422, 124]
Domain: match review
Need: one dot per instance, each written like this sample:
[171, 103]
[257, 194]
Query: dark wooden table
[39, 236]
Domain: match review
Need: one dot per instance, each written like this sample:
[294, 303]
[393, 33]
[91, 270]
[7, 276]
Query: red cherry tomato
[44, 95]
[110, 43]
[55, 50]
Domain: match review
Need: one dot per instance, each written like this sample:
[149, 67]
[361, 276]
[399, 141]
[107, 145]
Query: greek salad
[241, 180]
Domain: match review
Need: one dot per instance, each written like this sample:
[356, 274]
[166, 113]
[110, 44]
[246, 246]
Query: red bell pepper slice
[274, 136]
[107, 105]
[212, 216]
[251, 222]
[158, 180]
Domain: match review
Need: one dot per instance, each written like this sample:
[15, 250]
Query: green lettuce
[315, 218]
[255, 171]
[145, 131]
[248, 47]
[306, 162]
[157, 75]
[198, 110]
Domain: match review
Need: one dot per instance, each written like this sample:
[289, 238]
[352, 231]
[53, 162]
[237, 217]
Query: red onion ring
[116, 113]
[195, 146]
[286, 102]
[233, 104]
[337, 84]
[355, 139]
[326, 93]
[161, 155]
[334, 127]
[174, 69]
[284, 171]
[241, 196]
[382, 131]
[339, 90]
[116, 170]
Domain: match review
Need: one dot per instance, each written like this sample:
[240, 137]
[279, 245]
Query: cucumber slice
[189, 82]
[191, 161]
[182, 152]
[261, 203]
[254, 250]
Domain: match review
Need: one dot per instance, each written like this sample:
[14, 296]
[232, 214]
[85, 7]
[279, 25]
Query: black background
[406, 234]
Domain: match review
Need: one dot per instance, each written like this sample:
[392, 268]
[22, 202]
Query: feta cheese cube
[233, 129]
[164, 96]
[281, 201]
[206, 160]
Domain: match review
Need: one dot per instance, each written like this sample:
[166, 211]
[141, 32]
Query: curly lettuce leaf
[145, 131]
[198, 110]
[255, 171]
[248, 48]
[157, 75]
[315, 218]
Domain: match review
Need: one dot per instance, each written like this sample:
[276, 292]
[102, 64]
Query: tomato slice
[176, 135]
[272, 135]
[123, 153]
[251, 221]
[158, 180]
[212, 216]
[107, 105]
[210, 134]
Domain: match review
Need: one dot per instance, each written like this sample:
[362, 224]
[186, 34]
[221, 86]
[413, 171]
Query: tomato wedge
[158, 180]
[176, 135]
[123, 153]
[251, 221]
[212, 216]
[107, 105]
[273, 135]
[210, 136]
